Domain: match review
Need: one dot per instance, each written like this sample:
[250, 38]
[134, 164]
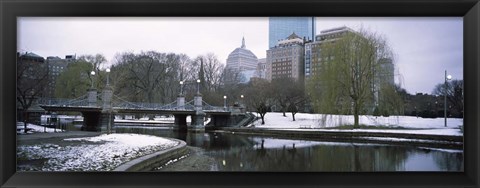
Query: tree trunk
[283, 110]
[293, 116]
[25, 116]
[263, 120]
[355, 116]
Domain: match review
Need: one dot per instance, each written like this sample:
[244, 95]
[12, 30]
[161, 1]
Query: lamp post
[181, 87]
[108, 73]
[198, 86]
[447, 77]
[225, 102]
[93, 74]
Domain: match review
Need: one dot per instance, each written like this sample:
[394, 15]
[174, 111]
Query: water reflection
[233, 152]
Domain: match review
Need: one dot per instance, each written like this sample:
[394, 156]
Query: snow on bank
[275, 120]
[450, 132]
[35, 128]
[100, 153]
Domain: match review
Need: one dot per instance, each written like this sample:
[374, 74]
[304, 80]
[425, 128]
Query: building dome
[242, 59]
[242, 52]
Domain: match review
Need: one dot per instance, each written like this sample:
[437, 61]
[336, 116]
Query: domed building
[242, 59]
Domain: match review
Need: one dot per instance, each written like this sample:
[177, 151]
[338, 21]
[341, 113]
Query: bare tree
[212, 71]
[32, 79]
[454, 91]
[296, 97]
[145, 72]
[258, 97]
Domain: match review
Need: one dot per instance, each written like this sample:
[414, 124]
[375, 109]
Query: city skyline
[423, 47]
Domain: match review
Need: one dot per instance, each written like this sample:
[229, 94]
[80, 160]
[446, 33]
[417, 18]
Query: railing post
[198, 102]
[107, 119]
[107, 98]
[92, 97]
[181, 102]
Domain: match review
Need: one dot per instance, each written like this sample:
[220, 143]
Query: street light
[447, 77]
[225, 102]
[93, 74]
[241, 96]
[108, 73]
[181, 87]
[198, 86]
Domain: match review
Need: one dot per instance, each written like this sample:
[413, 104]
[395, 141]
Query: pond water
[236, 152]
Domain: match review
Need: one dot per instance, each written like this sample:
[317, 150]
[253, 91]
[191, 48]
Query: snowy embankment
[32, 128]
[100, 153]
[392, 124]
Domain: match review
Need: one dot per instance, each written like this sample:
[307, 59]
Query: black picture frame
[11, 9]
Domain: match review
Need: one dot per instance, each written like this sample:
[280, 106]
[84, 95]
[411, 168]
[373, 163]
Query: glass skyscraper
[280, 28]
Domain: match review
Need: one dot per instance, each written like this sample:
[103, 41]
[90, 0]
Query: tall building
[56, 66]
[242, 59]
[315, 59]
[313, 49]
[261, 68]
[286, 59]
[386, 72]
[280, 28]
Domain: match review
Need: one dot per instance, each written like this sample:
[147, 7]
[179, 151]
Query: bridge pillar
[91, 121]
[197, 124]
[199, 116]
[106, 122]
[197, 101]
[180, 122]
[107, 117]
[107, 98]
[92, 97]
[181, 102]
[231, 120]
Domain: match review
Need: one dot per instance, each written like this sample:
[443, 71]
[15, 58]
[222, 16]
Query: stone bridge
[99, 109]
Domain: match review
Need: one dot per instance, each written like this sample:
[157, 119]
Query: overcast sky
[424, 47]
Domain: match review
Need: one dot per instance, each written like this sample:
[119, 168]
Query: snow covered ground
[100, 153]
[34, 128]
[406, 124]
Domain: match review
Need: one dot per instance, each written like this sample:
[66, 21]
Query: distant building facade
[313, 49]
[242, 59]
[286, 59]
[280, 28]
[315, 58]
[261, 71]
[56, 66]
[243, 62]
[387, 70]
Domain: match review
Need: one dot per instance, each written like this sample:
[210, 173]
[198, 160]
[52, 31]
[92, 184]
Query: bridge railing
[188, 106]
[138, 105]
[63, 102]
[209, 107]
[153, 106]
